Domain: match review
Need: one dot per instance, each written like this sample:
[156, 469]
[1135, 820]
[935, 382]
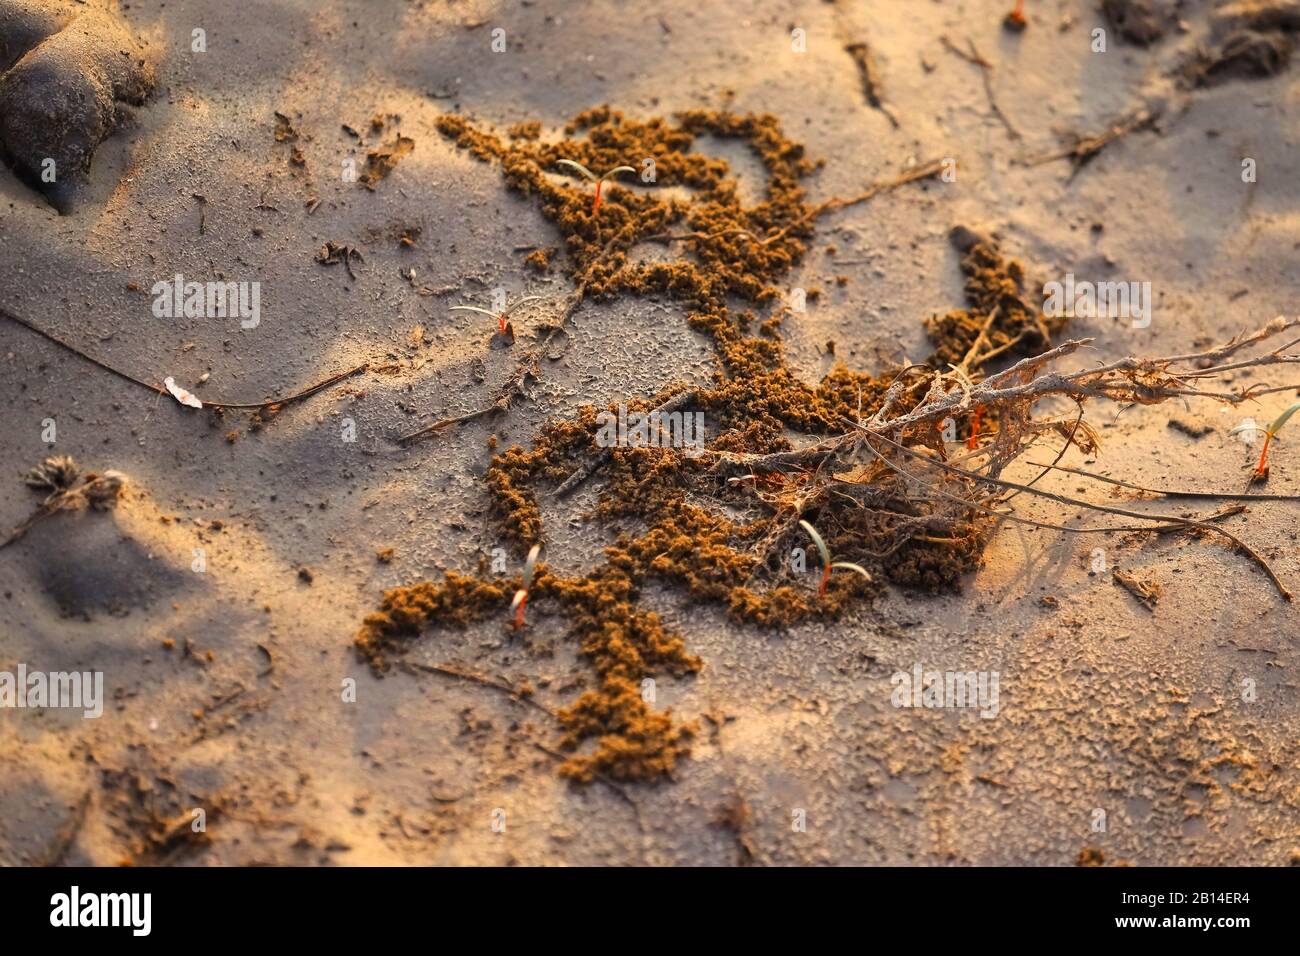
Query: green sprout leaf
[1283, 419]
[849, 565]
[529, 567]
[527, 298]
[471, 308]
[579, 167]
[821, 545]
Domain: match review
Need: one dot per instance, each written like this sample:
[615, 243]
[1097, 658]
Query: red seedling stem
[520, 602]
[499, 316]
[829, 564]
[1262, 468]
[598, 180]
[974, 440]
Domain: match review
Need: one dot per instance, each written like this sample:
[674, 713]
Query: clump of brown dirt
[755, 400]
[1093, 856]
[624, 643]
[995, 288]
[539, 260]
[383, 159]
[405, 611]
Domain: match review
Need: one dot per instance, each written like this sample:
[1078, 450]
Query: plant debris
[181, 395]
[1083, 148]
[263, 409]
[869, 74]
[870, 468]
[973, 56]
[53, 474]
[1147, 592]
[755, 398]
[384, 159]
[161, 822]
[734, 816]
[58, 476]
[332, 253]
[1190, 429]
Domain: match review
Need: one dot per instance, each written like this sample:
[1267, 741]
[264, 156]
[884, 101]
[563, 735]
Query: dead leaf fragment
[1147, 592]
[332, 253]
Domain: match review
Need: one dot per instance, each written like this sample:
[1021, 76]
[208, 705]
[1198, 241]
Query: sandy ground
[1104, 705]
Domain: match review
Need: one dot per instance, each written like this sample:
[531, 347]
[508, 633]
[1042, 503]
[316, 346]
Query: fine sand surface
[225, 688]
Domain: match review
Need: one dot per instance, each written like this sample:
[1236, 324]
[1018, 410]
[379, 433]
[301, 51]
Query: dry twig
[1082, 149]
[975, 58]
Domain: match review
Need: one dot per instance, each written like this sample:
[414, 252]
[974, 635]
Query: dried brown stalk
[868, 450]
[1082, 149]
[975, 58]
[95, 491]
[160, 390]
[1146, 592]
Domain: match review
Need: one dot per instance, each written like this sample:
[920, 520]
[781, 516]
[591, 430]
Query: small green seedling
[599, 181]
[499, 316]
[1270, 433]
[827, 563]
[521, 596]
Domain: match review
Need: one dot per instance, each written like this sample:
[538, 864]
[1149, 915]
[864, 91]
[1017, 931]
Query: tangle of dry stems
[896, 462]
